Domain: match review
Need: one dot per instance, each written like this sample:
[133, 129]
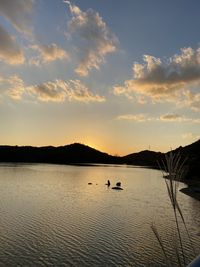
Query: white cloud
[48, 91]
[17, 87]
[10, 52]
[59, 91]
[163, 118]
[171, 117]
[192, 100]
[133, 117]
[95, 38]
[48, 53]
[178, 118]
[17, 12]
[52, 91]
[122, 90]
[77, 91]
[165, 80]
[13, 86]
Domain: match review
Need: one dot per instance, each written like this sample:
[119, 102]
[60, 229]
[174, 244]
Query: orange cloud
[48, 53]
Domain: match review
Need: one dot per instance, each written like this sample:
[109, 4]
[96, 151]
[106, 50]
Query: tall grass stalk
[155, 231]
[173, 171]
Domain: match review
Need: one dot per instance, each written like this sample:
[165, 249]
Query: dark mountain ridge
[73, 153]
[144, 158]
[191, 154]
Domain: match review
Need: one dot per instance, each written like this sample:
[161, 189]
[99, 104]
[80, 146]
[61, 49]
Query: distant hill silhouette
[191, 153]
[144, 158]
[78, 153]
[74, 153]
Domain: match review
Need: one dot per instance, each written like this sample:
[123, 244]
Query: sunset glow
[120, 76]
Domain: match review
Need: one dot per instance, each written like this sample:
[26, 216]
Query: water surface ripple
[50, 216]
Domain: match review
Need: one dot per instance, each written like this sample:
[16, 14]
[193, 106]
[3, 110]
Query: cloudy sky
[121, 76]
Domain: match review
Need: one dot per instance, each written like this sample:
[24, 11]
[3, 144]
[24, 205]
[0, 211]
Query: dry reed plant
[173, 172]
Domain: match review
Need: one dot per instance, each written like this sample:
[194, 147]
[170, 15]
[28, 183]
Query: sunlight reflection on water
[50, 216]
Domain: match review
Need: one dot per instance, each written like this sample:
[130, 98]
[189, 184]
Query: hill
[74, 153]
[192, 155]
[144, 158]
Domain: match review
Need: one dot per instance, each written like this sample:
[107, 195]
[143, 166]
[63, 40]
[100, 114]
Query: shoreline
[191, 192]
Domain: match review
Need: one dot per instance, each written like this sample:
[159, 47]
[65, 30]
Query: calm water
[50, 216]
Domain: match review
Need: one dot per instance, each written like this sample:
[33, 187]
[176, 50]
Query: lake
[50, 216]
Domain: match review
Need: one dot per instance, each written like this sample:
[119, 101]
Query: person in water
[108, 183]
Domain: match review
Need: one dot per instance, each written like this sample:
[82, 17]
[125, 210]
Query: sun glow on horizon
[87, 80]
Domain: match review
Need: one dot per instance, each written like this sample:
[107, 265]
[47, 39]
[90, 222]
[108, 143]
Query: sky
[121, 76]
